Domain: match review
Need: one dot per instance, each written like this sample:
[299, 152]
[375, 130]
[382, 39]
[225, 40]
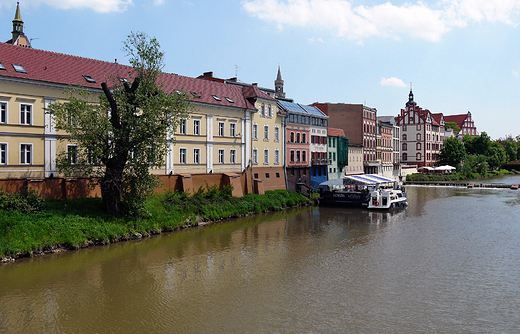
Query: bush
[27, 201]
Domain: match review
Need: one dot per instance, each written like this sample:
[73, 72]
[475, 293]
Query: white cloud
[419, 20]
[515, 73]
[101, 6]
[393, 82]
[158, 2]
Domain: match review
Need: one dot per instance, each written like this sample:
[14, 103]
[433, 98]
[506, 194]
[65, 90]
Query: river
[449, 263]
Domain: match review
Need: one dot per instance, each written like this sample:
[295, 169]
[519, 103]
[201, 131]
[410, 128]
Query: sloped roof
[437, 118]
[62, 69]
[458, 119]
[332, 132]
[301, 108]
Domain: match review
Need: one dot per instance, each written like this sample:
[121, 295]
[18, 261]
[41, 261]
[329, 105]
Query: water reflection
[447, 263]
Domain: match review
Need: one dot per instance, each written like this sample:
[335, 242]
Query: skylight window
[19, 68]
[2, 67]
[216, 97]
[89, 79]
[123, 80]
[229, 100]
[195, 95]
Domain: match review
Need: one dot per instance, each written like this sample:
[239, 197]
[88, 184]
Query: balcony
[321, 162]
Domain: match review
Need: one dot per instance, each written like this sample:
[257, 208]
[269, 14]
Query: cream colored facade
[355, 160]
[212, 140]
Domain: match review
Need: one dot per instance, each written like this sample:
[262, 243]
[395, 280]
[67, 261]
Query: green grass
[78, 223]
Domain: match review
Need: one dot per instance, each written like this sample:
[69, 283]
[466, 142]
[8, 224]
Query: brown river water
[449, 263]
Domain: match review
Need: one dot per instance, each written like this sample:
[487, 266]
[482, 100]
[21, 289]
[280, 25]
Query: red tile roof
[459, 119]
[58, 68]
[332, 132]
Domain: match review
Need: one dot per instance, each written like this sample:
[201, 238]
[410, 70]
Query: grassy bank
[455, 177]
[32, 228]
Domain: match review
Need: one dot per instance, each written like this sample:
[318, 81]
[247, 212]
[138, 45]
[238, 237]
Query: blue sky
[459, 55]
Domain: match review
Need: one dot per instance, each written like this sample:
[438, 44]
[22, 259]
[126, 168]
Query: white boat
[387, 198]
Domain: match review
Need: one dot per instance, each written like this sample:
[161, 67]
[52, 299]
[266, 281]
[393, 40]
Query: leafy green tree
[511, 148]
[496, 156]
[452, 125]
[124, 132]
[468, 141]
[474, 166]
[452, 153]
[482, 144]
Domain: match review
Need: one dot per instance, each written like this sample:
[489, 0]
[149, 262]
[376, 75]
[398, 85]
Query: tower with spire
[18, 36]
[411, 102]
[278, 85]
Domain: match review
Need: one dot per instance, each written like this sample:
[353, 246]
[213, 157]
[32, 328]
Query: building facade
[422, 134]
[465, 123]
[338, 153]
[359, 124]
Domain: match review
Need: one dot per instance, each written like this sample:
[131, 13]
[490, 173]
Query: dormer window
[195, 95]
[229, 100]
[216, 97]
[19, 68]
[2, 67]
[89, 79]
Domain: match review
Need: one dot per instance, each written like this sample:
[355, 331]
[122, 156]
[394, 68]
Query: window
[418, 136]
[266, 156]
[92, 158]
[229, 100]
[269, 111]
[2, 67]
[182, 155]
[418, 156]
[25, 114]
[255, 156]
[298, 137]
[267, 175]
[232, 129]
[262, 110]
[405, 156]
[298, 156]
[3, 154]
[182, 127]
[216, 97]
[72, 154]
[266, 132]
[304, 138]
[418, 146]
[418, 127]
[221, 129]
[292, 156]
[255, 131]
[196, 156]
[276, 157]
[232, 156]
[256, 176]
[220, 156]
[276, 134]
[26, 154]
[277, 175]
[3, 112]
[196, 127]
[304, 156]
[292, 137]
[404, 127]
[405, 137]
[20, 69]
[405, 146]
[195, 95]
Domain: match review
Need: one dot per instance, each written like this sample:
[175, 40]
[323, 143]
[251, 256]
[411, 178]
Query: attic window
[123, 80]
[19, 68]
[2, 67]
[229, 100]
[89, 79]
[216, 97]
[195, 95]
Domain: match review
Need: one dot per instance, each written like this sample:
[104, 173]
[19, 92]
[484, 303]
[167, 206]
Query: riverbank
[72, 224]
[455, 177]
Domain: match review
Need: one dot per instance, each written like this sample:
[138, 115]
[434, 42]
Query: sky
[458, 55]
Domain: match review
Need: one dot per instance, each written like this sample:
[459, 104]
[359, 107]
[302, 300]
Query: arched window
[304, 138]
[418, 156]
[405, 146]
[298, 137]
[304, 156]
[418, 146]
[292, 156]
[292, 137]
[405, 137]
[418, 136]
[405, 156]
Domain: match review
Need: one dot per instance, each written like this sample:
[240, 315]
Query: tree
[123, 133]
[496, 156]
[452, 125]
[511, 148]
[452, 153]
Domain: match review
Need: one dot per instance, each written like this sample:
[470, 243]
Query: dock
[470, 185]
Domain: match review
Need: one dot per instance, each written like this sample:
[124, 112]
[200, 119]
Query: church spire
[17, 23]
[19, 37]
[278, 85]
[410, 97]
